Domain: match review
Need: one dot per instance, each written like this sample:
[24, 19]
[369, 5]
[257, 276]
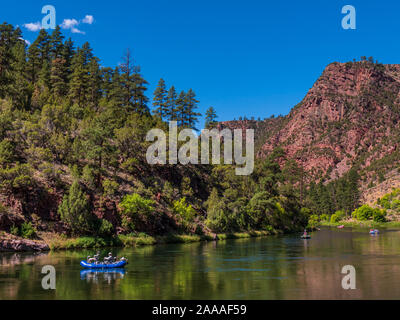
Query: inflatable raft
[306, 237]
[375, 231]
[119, 264]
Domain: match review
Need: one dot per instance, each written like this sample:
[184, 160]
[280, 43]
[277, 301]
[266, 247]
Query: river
[276, 267]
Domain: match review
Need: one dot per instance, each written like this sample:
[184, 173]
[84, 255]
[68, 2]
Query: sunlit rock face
[349, 117]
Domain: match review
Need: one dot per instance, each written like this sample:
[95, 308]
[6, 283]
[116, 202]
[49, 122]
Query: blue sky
[245, 58]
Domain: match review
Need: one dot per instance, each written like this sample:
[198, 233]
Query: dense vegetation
[72, 153]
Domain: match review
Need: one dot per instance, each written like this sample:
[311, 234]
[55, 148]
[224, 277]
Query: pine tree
[180, 109]
[34, 65]
[75, 210]
[160, 100]
[190, 105]
[19, 88]
[56, 44]
[44, 83]
[211, 117]
[44, 45]
[38, 53]
[115, 89]
[6, 57]
[94, 82]
[133, 86]
[68, 54]
[106, 75]
[58, 78]
[80, 75]
[98, 146]
[171, 104]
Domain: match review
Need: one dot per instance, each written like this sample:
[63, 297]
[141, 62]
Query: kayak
[119, 264]
[341, 227]
[306, 237]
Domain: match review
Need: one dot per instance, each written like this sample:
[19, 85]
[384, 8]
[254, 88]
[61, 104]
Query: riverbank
[143, 240]
[57, 242]
[362, 224]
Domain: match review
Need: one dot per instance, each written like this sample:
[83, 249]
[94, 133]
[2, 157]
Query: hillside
[73, 154]
[349, 118]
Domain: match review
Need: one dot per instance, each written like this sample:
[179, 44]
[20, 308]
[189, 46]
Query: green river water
[283, 267]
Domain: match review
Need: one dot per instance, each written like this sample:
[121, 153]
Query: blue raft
[119, 264]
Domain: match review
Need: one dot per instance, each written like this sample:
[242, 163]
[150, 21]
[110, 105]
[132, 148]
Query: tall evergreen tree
[191, 117]
[160, 100]
[133, 86]
[94, 82]
[171, 104]
[44, 44]
[38, 52]
[6, 57]
[58, 78]
[80, 75]
[211, 117]
[67, 54]
[19, 89]
[56, 44]
[180, 109]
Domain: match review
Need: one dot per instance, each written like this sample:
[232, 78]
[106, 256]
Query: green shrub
[183, 210]
[27, 231]
[335, 218]
[106, 228]
[74, 210]
[313, 221]
[135, 207]
[110, 187]
[379, 215]
[224, 214]
[341, 214]
[363, 213]
[17, 178]
[14, 231]
[6, 152]
[169, 192]
[88, 176]
[395, 205]
[324, 217]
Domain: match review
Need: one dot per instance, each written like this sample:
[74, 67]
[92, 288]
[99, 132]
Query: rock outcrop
[22, 245]
[350, 117]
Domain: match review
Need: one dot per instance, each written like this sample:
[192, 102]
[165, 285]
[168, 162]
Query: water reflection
[17, 258]
[108, 275]
[260, 268]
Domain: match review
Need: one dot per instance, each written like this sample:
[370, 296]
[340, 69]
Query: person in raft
[305, 233]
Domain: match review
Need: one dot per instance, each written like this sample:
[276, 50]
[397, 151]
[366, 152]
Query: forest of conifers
[73, 154]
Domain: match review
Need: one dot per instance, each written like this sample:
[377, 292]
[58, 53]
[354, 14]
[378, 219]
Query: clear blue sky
[245, 58]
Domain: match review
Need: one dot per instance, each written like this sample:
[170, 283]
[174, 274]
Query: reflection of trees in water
[262, 268]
